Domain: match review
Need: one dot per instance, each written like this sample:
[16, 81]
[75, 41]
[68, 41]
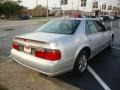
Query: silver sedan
[62, 45]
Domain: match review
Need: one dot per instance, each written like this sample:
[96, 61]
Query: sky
[76, 3]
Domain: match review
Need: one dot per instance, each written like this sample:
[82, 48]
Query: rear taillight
[48, 54]
[15, 46]
[40, 53]
[52, 54]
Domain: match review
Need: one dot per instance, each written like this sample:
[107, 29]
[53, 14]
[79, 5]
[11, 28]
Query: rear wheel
[80, 65]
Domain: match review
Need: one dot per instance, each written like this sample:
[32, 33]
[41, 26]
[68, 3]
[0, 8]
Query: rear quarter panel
[73, 44]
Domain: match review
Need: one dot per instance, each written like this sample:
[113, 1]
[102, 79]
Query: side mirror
[108, 28]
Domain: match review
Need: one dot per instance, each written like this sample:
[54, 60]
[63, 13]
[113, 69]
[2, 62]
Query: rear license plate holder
[27, 49]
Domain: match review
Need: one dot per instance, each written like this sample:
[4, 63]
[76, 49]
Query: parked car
[112, 18]
[101, 18]
[62, 45]
[90, 16]
[116, 17]
[105, 18]
[24, 17]
[2, 16]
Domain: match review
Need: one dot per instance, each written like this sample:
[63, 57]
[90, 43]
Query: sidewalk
[16, 77]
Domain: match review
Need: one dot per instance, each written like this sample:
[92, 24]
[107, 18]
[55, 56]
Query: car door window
[90, 27]
[87, 29]
[99, 26]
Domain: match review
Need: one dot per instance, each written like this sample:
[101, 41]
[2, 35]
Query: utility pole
[63, 8]
[78, 5]
[54, 5]
[72, 8]
[119, 7]
[47, 11]
[119, 11]
[60, 8]
[63, 3]
[36, 3]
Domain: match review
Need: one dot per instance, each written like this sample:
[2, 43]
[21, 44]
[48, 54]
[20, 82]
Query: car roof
[77, 19]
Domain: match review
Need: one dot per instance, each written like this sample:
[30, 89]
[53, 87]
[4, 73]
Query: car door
[106, 33]
[94, 37]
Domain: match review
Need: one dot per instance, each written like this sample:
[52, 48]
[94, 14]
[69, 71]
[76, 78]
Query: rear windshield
[60, 26]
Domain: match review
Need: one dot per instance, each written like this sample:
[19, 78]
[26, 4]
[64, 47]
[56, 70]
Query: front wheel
[80, 65]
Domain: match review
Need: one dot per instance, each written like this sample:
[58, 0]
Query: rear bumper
[50, 68]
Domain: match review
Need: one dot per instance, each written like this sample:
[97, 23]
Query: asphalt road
[106, 65]
[8, 33]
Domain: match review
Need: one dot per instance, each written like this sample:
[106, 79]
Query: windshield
[60, 26]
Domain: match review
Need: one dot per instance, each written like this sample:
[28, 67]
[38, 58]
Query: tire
[80, 65]
[111, 43]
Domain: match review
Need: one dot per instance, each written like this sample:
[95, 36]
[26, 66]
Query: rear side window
[99, 26]
[90, 27]
[87, 29]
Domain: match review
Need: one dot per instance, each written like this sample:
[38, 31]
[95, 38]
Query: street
[105, 65]
[7, 34]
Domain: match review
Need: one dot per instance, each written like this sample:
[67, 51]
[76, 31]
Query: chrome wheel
[82, 63]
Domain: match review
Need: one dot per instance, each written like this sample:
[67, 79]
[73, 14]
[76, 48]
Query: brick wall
[34, 12]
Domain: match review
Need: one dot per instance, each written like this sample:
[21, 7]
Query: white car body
[69, 46]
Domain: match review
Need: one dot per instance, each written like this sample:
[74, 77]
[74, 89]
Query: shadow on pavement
[85, 81]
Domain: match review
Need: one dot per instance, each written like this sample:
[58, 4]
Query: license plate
[27, 49]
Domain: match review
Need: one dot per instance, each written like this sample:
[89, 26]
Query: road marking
[98, 78]
[116, 48]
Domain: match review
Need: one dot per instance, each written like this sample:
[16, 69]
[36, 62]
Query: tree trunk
[8, 16]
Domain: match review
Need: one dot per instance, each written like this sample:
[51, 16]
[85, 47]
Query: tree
[1, 1]
[0, 9]
[9, 8]
[39, 7]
